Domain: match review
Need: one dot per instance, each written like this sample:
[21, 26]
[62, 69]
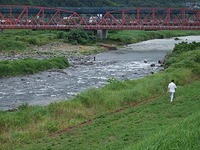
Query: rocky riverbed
[129, 62]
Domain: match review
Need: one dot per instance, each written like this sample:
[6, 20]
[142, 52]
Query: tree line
[100, 3]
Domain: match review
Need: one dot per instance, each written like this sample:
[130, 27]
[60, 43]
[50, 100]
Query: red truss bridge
[32, 17]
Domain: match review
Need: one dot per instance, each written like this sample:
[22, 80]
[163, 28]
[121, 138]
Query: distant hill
[104, 3]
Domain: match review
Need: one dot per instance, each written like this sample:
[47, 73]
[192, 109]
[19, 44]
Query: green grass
[30, 66]
[155, 124]
[134, 36]
[134, 114]
[20, 40]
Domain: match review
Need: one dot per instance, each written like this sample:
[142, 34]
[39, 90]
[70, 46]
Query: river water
[129, 62]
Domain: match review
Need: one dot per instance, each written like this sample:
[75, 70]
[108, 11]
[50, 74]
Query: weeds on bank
[30, 66]
[153, 124]
[21, 40]
[128, 37]
[32, 122]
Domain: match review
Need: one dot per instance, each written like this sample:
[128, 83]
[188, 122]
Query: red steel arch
[33, 17]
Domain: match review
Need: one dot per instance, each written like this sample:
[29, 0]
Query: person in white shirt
[171, 89]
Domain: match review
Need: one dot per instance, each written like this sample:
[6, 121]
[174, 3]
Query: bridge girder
[33, 17]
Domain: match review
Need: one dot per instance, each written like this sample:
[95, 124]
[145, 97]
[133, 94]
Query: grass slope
[155, 124]
[106, 119]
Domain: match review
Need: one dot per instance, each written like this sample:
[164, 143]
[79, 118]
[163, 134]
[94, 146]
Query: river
[129, 62]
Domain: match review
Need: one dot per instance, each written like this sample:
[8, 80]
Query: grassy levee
[134, 114]
[29, 66]
[155, 124]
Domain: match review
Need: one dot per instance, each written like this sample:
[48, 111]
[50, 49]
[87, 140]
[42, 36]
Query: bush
[78, 36]
[61, 35]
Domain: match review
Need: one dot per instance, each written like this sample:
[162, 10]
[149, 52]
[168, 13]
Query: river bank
[145, 100]
[129, 62]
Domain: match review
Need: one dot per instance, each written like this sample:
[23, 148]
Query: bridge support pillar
[101, 34]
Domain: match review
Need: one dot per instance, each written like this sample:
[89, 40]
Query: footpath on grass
[120, 110]
[151, 124]
[151, 119]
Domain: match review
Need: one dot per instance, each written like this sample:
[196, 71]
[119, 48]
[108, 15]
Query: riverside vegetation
[21, 42]
[30, 66]
[131, 114]
[103, 3]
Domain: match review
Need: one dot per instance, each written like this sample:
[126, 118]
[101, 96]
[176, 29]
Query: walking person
[171, 89]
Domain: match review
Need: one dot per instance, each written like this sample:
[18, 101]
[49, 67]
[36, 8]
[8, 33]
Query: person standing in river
[171, 89]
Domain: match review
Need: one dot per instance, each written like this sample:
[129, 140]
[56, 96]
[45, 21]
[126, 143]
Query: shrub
[61, 35]
[78, 36]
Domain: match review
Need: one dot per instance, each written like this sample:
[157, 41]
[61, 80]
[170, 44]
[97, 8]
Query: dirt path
[120, 110]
